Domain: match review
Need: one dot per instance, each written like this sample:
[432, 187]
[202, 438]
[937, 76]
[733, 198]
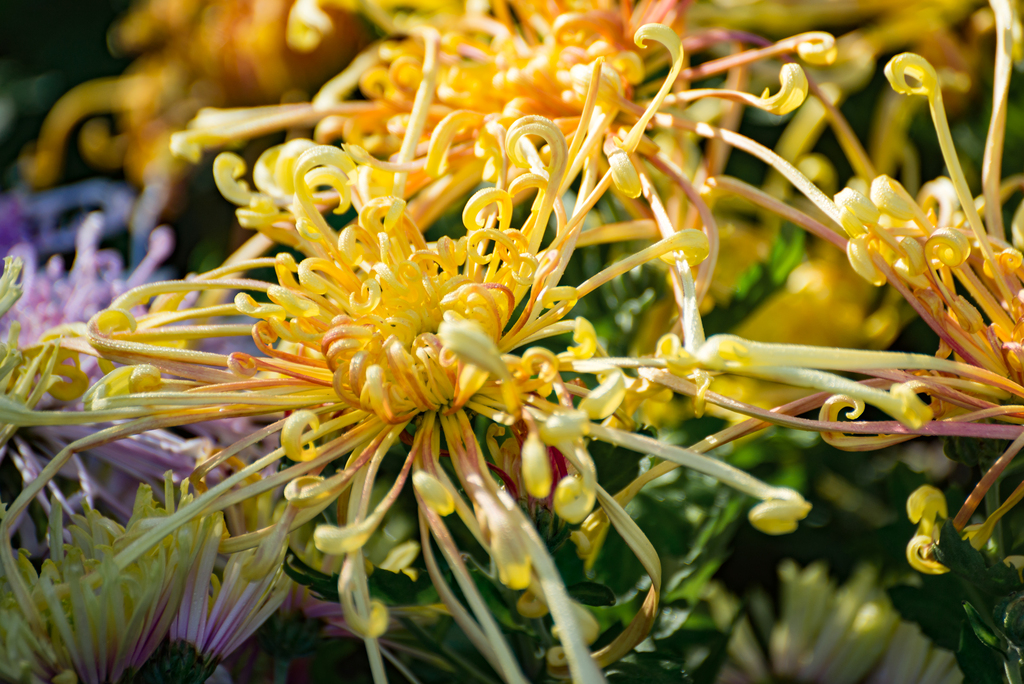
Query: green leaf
[392, 588]
[324, 586]
[935, 606]
[592, 594]
[979, 663]
[457, 663]
[787, 253]
[964, 560]
[173, 663]
[1007, 615]
[498, 598]
[972, 451]
[648, 668]
[981, 630]
[760, 281]
[398, 589]
[718, 647]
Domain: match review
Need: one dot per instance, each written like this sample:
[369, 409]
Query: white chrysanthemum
[828, 635]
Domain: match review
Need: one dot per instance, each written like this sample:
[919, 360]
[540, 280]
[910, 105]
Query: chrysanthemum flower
[190, 55]
[954, 267]
[376, 333]
[567, 69]
[81, 617]
[55, 296]
[40, 218]
[479, 71]
[51, 301]
[217, 614]
[828, 634]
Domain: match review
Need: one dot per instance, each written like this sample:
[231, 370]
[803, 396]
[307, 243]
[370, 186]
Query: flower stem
[1012, 666]
[281, 666]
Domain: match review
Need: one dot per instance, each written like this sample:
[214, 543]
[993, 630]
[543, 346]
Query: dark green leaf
[324, 586]
[647, 668]
[457, 663]
[980, 664]
[173, 663]
[935, 606]
[289, 635]
[708, 671]
[972, 451]
[592, 594]
[981, 630]
[398, 589]
[1008, 614]
[963, 559]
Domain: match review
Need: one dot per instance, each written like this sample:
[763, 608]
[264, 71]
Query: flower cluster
[422, 339]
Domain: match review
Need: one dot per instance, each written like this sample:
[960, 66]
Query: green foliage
[761, 280]
[973, 451]
[981, 630]
[964, 560]
[322, 585]
[592, 594]
[935, 606]
[648, 668]
[173, 663]
[285, 637]
[391, 588]
[978, 662]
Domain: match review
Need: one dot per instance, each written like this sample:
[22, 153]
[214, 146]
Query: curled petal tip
[779, 516]
[926, 502]
[624, 174]
[792, 93]
[605, 399]
[914, 412]
[919, 555]
[819, 49]
[537, 474]
[912, 74]
[565, 427]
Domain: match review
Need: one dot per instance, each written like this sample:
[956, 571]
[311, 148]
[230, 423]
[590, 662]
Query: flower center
[367, 311]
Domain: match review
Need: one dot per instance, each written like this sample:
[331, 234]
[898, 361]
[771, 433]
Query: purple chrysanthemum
[41, 219]
[54, 295]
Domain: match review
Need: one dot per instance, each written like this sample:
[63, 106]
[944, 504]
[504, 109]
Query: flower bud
[624, 174]
[536, 467]
[572, 501]
[531, 605]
